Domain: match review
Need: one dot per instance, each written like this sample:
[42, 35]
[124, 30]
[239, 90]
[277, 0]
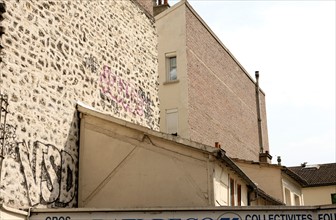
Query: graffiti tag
[49, 174]
[124, 94]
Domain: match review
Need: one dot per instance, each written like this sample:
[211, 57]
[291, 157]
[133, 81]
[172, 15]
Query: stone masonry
[53, 55]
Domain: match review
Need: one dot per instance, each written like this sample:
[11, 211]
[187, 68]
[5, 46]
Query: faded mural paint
[124, 94]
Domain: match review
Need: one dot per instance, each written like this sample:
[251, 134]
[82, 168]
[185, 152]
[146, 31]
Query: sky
[292, 45]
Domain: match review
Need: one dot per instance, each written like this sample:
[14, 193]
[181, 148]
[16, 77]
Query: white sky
[292, 45]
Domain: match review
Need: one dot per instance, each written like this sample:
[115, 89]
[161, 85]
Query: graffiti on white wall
[124, 94]
[49, 174]
[46, 173]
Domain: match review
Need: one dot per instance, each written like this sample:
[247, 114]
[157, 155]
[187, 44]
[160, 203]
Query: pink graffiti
[123, 93]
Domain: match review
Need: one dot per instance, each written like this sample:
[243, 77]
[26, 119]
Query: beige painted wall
[272, 180]
[294, 189]
[170, 25]
[222, 187]
[122, 167]
[318, 195]
[268, 178]
[126, 166]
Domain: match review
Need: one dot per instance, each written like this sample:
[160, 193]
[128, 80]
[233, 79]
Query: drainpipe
[261, 145]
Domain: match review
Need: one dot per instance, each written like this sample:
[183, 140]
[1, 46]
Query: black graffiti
[58, 218]
[90, 62]
[8, 137]
[49, 174]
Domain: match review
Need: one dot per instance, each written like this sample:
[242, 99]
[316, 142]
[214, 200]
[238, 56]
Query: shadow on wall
[34, 173]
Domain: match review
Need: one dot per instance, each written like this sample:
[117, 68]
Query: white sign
[217, 214]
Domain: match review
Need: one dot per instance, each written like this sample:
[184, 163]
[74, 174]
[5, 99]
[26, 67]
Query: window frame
[232, 192]
[239, 192]
[333, 198]
[172, 111]
[288, 197]
[168, 57]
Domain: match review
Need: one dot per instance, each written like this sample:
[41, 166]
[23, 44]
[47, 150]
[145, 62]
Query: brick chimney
[265, 157]
[160, 6]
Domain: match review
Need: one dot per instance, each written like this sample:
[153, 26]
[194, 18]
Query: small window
[239, 194]
[232, 192]
[297, 199]
[287, 197]
[171, 68]
[172, 121]
[333, 198]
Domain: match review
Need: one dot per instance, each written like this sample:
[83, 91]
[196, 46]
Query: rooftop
[316, 175]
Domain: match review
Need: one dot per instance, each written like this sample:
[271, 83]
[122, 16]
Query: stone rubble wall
[54, 54]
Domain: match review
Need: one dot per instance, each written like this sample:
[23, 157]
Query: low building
[276, 180]
[318, 183]
[123, 165]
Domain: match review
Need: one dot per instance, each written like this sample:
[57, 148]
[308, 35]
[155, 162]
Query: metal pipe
[261, 144]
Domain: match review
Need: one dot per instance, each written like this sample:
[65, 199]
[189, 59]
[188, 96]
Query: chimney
[265, 157]
[279, 160]
[160, 6]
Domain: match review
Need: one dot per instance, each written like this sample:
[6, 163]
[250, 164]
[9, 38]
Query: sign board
[243, 213]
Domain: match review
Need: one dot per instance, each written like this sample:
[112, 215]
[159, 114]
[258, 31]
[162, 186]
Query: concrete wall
[266, 177]
[222, 97]
[294, 191]
[139, 168]
[222, 187]
[318, 195]
[55, 53]
[172, 39]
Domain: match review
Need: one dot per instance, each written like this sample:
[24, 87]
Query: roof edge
[88, 110]
[219, 41]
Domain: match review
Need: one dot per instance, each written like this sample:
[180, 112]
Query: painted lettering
[58, 218]
[49, 174]
[124, 94]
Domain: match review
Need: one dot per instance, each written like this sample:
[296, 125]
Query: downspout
[261, 145]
